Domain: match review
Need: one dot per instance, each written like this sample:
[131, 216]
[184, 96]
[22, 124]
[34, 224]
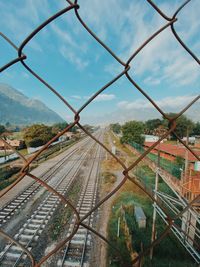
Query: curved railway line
[59, 179]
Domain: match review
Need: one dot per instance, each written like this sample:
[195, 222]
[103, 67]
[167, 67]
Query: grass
[169, 252]
[61, 218]
[7, 176]
[167, 165]
[108, 180]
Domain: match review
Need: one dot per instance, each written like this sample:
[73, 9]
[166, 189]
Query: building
[151, 138]
[170, 152]
[140, 217]
[66, 136]
[17, 144]
[191, 140]
[190, 183]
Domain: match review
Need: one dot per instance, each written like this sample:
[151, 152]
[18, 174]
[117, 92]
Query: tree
[132, 132]
[4, 134]
[2, 129]
[183, 125]
[8, 124]
[151, 125]
[115, 127]
[196, 129]
[60, 126]
[38, 134]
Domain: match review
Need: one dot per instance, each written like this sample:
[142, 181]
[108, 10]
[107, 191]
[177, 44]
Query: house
[17, 144]
[191, 140]
[66, 136]
[151, 138]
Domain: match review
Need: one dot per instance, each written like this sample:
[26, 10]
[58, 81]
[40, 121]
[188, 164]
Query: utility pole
[118, 226]
[153, 235]
[186, 155]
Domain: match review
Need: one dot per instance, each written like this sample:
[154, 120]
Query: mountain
[18, 109]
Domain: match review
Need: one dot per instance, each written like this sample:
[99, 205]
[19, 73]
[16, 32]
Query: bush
[7, 172]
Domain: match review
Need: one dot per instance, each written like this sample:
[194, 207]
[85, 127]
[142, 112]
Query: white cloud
[64, 36]
[77, 97]
[182, 71]
[104, 97]
[163, 59]
[137, 104]
[152, 81]
[71, 56]
[19, 20]
[167, 102]
[99, 98]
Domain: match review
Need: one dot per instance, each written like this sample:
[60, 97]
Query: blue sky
[66, 56]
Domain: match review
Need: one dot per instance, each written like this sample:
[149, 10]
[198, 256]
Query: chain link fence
[25, 171]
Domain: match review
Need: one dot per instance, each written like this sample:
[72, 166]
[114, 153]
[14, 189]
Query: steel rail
[81, 200]
[22, 59]
[50, 194]
[49, 173]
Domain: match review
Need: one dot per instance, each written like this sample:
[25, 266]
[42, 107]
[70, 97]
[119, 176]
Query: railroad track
[10, 209]
[76, 253]
[30, 232]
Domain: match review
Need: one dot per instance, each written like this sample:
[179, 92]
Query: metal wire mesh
[25, 171]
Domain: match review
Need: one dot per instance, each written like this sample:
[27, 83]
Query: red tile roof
[175, 150]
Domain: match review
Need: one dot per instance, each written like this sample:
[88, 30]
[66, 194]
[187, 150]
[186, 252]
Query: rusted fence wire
[21, 59]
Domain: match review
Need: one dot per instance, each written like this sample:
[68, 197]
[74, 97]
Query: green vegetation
[174, 168]
[108, 178]
[160, 126]
[132, 132]
[6, 174]
[38, 135]
[151, 125]
[62, 217]
[196, 129]
[183, 125]
[58, 127]
[147, 177]
[2, 129]
[168, 252]
[115, 127]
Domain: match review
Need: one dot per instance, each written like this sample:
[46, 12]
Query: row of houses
[19, 144]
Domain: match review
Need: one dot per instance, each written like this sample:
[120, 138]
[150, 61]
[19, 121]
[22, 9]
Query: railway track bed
[34, 227]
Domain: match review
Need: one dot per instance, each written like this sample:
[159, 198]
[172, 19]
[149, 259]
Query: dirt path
[106, 210]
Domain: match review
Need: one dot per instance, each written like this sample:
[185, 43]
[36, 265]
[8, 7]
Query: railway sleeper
[36, 221]
[31, 225]
[17, 201]
[79, 242]
[23, 237]
[69, 263]
[4, 213]
[42, 217]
